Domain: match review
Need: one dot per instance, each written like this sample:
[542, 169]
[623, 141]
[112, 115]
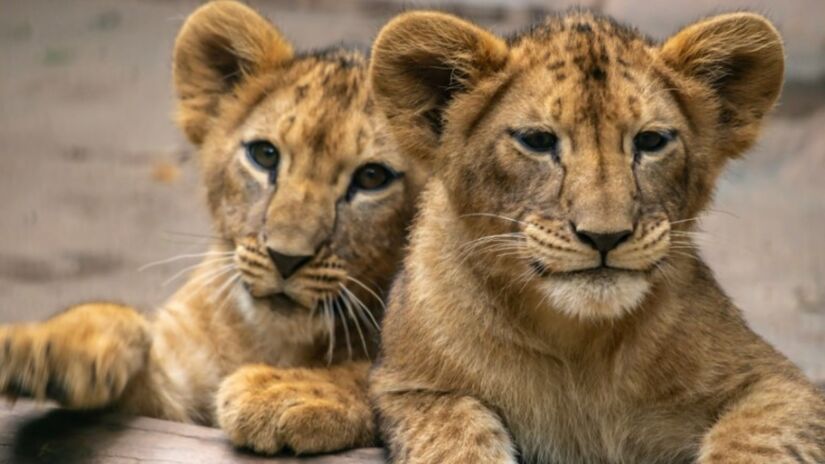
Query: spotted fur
[279, 361]
[511, 336]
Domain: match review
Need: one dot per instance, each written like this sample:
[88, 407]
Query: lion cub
[310, 199]
[553, 307]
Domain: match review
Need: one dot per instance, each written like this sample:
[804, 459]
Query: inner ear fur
[420, 62]
[739, 58]
[220, 44]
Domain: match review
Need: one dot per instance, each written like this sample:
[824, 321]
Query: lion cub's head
[575, 153]
[301, 176]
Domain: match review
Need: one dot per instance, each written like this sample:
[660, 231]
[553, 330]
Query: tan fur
[277, 362]
[509, 338]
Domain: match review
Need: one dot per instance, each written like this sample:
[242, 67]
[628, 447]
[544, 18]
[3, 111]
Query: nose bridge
[603, 195]
[300, 217]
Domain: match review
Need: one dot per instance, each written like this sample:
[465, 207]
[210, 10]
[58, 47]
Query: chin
[596, 294]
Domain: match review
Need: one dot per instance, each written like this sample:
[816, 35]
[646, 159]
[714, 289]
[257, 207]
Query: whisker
[340, 311]
[473, 245]
[486, 238]
[202, 281]
[195, 266]
[481, 244]
[226, 285]
[665, 275]
[726, 213]
[330, 316]
[192, 234]
[684, 255]
[371, 292]
[184, 256]
[227, 298]
[364, 312]
[357, 322]
[497, 216]
[693, 219]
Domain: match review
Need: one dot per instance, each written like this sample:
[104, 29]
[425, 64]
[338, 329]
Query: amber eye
[651, 141]
[263, 154]
[373, 176]
[537, 141]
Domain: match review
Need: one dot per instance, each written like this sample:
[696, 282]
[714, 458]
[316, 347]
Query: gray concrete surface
[95, 180]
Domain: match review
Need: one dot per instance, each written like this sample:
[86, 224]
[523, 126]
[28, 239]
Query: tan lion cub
[269, 337]
[553, 308]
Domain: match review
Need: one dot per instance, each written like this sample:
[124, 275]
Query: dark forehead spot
[361, 140]
[318, 138]
[597, 73]
[583, 28]
[557, 108]
[289, 123]
[301, 93]
[633, 106]
[555, 65]
[626, 76]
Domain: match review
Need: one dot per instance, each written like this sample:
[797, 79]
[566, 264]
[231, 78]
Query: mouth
[284, 302]
[601, 272]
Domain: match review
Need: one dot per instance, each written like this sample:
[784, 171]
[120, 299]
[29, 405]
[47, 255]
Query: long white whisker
[331, 326]
[206, 262]
[693, 219]
[497, 216]
[340, 311]
[357, 322]
[192, 234]
[184, 256]
[371, 292]
[229, 282]
[479, 246]
[364, 311]
[208, 274]
[202, 281]
[665, 275]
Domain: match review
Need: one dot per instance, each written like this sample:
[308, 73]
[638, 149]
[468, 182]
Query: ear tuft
[420, 61]
[739, 57]
[220, 45]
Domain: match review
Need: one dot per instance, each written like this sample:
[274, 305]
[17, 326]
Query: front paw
[268, 410]
[75, 369]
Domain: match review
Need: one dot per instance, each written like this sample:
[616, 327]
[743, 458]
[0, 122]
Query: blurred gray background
[95, 180]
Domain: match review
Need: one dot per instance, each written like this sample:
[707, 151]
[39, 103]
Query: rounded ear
[420, 61]
[739, 57]
[220, 45]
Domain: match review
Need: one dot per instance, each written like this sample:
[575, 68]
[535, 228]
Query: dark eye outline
[391, 176]
[527, 139]
[665, 137]
[250, 148]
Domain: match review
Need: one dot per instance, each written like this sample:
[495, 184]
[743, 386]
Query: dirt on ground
[95, 180]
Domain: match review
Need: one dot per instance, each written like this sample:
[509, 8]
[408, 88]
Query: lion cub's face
[308, 186]
[300, 174]
[575, 153]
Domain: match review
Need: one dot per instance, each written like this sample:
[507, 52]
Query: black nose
[601, 241]
[287, 264]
